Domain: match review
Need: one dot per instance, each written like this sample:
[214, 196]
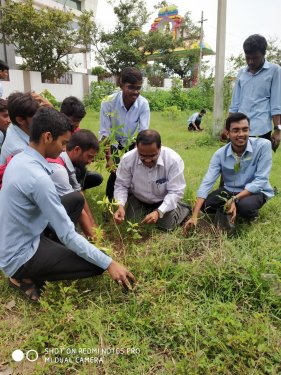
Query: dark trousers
[87, 179]
[54, 261]
[112, 177]
[247, 207]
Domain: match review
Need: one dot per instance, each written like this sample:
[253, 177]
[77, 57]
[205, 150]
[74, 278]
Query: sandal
[29, 290]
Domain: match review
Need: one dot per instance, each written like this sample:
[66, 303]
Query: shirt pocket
[159, 190]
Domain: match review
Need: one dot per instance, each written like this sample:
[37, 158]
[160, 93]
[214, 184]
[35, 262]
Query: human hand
[223, 135]
[121, 275]
[110, 165]
[43, 102]
[275, 139]
[232, 210]
[192, 222]
[119, 215]
[151, 218]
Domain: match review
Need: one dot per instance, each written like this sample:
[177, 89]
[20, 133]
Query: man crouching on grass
[29, 202]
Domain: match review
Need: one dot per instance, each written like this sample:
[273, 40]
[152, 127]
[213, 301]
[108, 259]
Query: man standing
[244, 164]
[29, 202]
[154, 177]
[123, 115]
[194, 121]
[80, 151]
[257, 91]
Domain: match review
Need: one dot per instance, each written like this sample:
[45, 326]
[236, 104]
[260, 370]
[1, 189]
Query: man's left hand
[151, 218]
[232, 211]
[275, 137]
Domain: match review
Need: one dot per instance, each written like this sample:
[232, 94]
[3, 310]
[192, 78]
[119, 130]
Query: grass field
[203, 304]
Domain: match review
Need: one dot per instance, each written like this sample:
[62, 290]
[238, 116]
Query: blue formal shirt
[258, 96]
[28, 203]
[253, 174]
[114, 114]
[16, 141]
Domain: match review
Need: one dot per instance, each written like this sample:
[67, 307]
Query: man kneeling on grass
[244, 164]
[153, 178]
[29, 202]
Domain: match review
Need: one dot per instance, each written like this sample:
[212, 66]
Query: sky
[244, 17]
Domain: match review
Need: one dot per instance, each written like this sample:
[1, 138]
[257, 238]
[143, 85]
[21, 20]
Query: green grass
[203, 304]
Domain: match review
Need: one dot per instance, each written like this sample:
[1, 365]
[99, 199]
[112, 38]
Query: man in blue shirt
[195, 119]
[123, 115]
[257, 91]
[29, 202]
[245, 164]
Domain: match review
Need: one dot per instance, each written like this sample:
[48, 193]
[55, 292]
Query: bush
[98, 91]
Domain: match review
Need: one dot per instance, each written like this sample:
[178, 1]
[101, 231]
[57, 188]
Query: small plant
[134, 230]
[172, 113]
[47, 95]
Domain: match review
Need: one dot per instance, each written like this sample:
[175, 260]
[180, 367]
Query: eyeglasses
[148, 158]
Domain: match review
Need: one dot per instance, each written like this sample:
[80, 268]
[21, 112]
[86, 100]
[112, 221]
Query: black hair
[130, 75]
[71, 106]
[22, 105]
[3, 105]
[48, 120]
[255, 43]
[3, 66]
[235, 117]
[147, 137]
[203, 111]
[85, 139]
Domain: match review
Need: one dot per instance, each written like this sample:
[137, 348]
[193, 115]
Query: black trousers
[54, 261]
[247, 207]
[87, 179]
[112, 177]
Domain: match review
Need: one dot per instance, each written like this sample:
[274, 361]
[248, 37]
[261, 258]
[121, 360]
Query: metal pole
[201, 46]
[219, 70]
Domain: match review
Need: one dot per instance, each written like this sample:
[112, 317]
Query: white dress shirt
[162, 183]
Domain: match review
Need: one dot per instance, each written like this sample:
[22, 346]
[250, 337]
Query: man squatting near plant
[29, 202]
[257, 91]
[244, 164]
[122, 115]
[150, 179]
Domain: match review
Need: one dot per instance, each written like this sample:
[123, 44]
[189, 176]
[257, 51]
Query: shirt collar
[38, 157]
[21, 133]
[249, 148]
[266, 65]
[68, 162]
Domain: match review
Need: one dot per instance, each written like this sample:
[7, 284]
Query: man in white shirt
[194, 120]
[150, 180]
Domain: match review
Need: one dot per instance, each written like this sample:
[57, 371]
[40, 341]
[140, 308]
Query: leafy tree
[42, 37]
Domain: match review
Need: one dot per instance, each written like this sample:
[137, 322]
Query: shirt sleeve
[236, 95]
[175, 187]
[48, 201]
[275, 95]
[193, 117]
[61, 179]
[262, 173]
[144, 119]
[105, 120]
[122, 183]
[211, 176]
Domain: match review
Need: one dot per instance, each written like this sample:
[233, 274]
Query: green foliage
[46, 94]
[44, 36]
[171, 113]
[98, 91]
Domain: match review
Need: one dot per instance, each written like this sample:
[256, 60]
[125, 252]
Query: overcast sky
[244, 17]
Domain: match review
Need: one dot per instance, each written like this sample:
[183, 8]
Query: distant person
[194, 121]
[21, 109]
[28, 202]
[150, 184]
[4, 120]
[122, 116]
[4, 72]
[74, 109]
[257, 91]
[245, 164]
[81, 150]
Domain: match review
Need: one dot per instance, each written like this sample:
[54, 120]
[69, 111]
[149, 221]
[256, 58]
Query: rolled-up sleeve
[210, 177]
[144, 119]
[275, 96]
[105, 120]
[122, 183]
[236, 96]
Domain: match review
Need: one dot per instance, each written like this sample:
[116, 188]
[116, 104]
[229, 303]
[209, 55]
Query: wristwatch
[277, 127]
[236, 200]
[160, 214]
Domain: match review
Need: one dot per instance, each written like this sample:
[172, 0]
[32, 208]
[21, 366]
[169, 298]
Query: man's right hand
[119, 215]
[121, 275]
[110, 165]
[192, 222]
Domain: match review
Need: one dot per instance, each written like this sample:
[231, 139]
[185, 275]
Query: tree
[42, 37]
